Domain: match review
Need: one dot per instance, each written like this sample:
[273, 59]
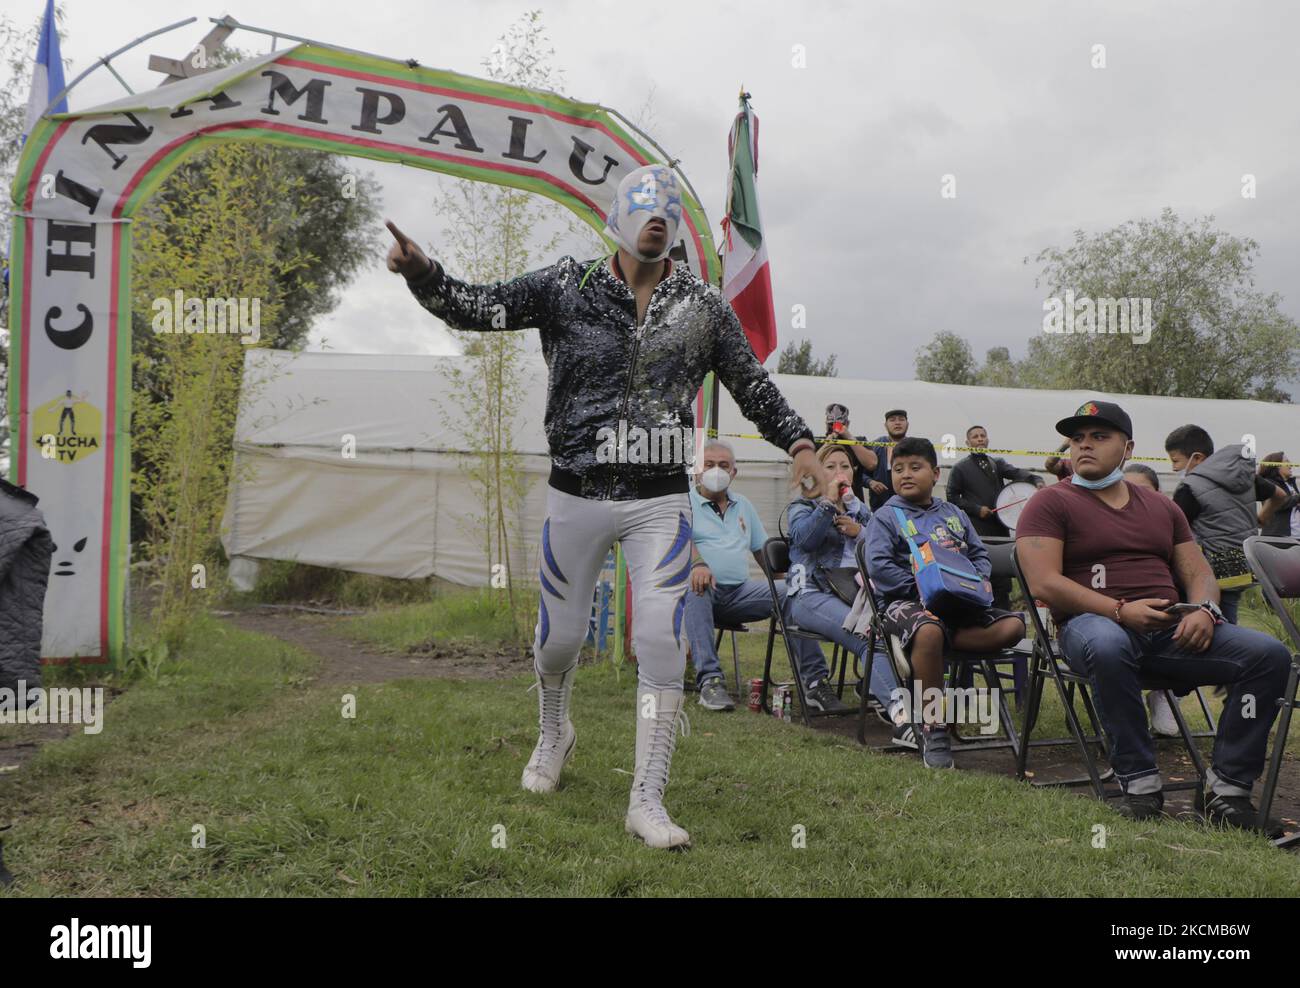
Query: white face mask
[649, 192]
[715, 480]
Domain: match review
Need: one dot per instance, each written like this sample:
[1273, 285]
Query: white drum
[1011, 501]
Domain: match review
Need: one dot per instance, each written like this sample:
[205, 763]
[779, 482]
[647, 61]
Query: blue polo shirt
[726, 542]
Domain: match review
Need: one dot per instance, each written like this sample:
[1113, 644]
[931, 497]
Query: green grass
[460, 616]
[406, 799]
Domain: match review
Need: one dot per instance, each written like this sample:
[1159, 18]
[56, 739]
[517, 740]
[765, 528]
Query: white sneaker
[656, 736]
[1162, 718]
[556, 736]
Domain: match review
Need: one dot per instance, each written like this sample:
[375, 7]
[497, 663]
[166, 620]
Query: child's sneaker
[936, 746]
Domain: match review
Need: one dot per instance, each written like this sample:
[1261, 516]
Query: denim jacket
[816, 544]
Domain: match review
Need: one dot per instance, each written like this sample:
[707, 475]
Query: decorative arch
[83, 176]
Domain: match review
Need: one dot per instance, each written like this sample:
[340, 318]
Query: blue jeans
[822, 612]
[1229, 602]
[740, 603]
[1253, 665]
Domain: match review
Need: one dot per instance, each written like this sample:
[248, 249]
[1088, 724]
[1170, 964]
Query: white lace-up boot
[657, 715]
[556, 736]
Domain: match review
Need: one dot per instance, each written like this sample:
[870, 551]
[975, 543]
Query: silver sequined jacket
[604, 369]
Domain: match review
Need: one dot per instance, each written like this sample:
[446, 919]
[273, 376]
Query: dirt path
[346, 661]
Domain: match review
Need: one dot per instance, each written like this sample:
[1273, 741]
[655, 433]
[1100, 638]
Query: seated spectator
[1285, 521]
[823, 536]
[974, 484]
[837, 431]
[725, 532]
[1217, 493]
[1108, 558]
[1057, 466]
[925, 636]
[878, 489]
[1140, 473]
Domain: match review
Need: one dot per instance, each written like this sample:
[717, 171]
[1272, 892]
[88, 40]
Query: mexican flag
[746, 277]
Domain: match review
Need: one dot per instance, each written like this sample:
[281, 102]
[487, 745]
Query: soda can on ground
[756, 695]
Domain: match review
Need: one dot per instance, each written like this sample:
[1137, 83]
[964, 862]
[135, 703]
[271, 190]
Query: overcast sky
[853, 146]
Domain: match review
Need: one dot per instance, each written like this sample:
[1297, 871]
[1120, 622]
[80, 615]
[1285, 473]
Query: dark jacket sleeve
[957, 490]
[520, 303]
[1008, 472]
[1265, 489]
[749, 383]
[1184, 498]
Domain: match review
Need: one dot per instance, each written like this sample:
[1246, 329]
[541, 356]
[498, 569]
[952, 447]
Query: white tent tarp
[403, 507]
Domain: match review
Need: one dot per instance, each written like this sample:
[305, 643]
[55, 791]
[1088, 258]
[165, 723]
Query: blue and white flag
[47, 76]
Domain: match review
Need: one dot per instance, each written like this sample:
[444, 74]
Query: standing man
[974, 486]
[880, 487]
[627, 339]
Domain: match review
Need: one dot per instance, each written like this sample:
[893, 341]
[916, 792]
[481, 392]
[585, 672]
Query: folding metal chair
[731, 629]
[988, 665]
[1276, 565]
[1046, 663]
[776, 559]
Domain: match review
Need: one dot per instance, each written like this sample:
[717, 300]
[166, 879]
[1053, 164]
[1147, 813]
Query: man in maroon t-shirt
[1107, 557]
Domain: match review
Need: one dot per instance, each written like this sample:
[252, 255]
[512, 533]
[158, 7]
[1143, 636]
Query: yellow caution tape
[714, 433]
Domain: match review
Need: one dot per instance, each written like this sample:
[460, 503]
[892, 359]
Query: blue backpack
[945, 578]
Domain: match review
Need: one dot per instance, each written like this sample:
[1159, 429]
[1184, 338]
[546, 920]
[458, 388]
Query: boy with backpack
[910, 537]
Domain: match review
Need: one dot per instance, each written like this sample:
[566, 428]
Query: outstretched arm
[519, 303]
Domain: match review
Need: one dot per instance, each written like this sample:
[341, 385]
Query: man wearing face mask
[628, 339]
[726, 532]
[1109, 557]
[1217, 492]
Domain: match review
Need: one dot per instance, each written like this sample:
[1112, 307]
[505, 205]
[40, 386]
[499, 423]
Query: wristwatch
[1213, 608]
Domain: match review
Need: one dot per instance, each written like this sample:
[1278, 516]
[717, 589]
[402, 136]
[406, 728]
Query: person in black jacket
[880, 486]
[974, 485]
[1285, 520]
[628, 339]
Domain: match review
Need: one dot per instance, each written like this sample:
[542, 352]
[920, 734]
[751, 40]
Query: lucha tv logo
[68, 428]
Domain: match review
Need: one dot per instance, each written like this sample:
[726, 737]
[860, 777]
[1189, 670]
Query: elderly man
[725, 531]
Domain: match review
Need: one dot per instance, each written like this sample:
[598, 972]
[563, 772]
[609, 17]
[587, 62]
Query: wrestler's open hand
[807, 474]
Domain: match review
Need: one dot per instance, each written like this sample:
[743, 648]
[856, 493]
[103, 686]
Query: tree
[999, 370]
[333, 218]
[797, 358]
[210, 238]
[1213, 335]
[947, 359]
[493, 233]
